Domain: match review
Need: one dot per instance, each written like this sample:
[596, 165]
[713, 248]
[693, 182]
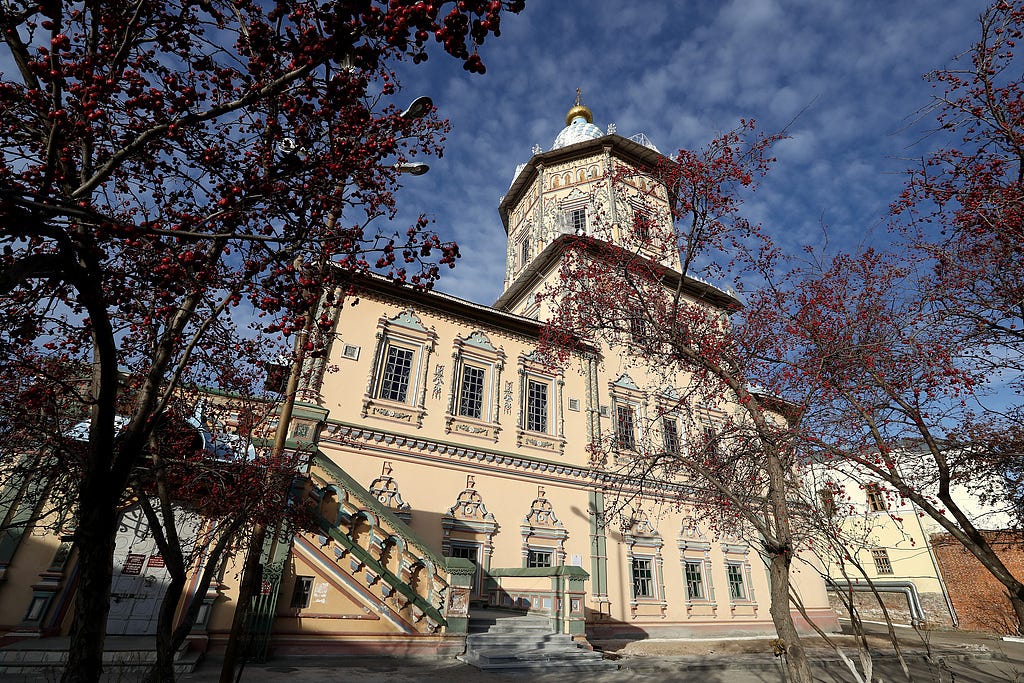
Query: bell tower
[589, 183]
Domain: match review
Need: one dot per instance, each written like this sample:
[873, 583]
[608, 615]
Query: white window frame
[552, 437]
[736, 570]
[652, 588]
[402, 332]
[475, 351]
[625, 425]
[673, 420]
[409, 375]
[533, 553]
[700, 580]
[883, 563]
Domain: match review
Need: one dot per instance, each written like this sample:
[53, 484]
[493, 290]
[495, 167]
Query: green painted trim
[598, 545]
[370, 502]
[460, 566]
[567, 570]
[395, 582]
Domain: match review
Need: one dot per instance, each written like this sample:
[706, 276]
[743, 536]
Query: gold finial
[579, 109]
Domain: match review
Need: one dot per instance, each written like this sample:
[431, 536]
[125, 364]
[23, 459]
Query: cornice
[345, 435]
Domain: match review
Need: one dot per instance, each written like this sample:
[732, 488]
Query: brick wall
[934, 605]
[978, 598]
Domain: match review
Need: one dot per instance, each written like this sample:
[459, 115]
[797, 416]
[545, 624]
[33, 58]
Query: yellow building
[888, 541]
[452, 466]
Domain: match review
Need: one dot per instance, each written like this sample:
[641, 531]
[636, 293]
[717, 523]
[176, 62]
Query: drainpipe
[907, 588]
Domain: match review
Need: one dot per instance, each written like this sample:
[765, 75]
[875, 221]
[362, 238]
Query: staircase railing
[363, 529]
[557, 592]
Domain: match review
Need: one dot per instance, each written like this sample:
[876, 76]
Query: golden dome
[579, 109]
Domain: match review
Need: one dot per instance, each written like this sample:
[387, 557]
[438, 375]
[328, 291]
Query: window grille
[670, 435]
[694, 581]
[641, 224]
[578, 221]
[536, 406]
[734, 576]
[394, 384]
[538, 558]
[882, 563]
[643, 579]
[471, 393]
[625, 426]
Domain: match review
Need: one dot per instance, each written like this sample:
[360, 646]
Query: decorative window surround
[385, 489]
[643, 542]
[627, 398]
[552, 438]
[542, 531]
[577, 213]
[694, 546]
[737, 553]
[404, 332]
[468, 522]
[476, 351]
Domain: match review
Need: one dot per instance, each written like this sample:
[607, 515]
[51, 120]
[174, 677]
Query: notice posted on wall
[133, 564]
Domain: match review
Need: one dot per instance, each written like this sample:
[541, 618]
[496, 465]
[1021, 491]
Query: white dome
[578, 130]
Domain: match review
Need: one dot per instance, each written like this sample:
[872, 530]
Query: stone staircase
[501, 640]
[365, 541]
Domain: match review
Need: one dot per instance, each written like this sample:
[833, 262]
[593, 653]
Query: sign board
[133, 564]
[156, 561]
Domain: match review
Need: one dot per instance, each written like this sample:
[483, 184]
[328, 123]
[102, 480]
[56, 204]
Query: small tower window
[524, 252]
[578, 221]
[641, 225]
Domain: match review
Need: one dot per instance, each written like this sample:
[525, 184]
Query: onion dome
[579, 126]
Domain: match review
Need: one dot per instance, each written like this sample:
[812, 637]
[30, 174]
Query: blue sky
[681, 72]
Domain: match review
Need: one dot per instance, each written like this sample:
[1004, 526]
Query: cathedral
[452, 471]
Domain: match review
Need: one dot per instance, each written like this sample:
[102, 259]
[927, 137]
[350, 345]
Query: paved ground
[965, 658]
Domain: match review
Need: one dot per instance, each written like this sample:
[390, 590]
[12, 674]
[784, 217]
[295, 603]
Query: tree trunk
[95, 538]
[163, 670]
[799, 670]
[246, 590]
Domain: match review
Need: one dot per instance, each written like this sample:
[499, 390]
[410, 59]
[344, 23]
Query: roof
[540, 266]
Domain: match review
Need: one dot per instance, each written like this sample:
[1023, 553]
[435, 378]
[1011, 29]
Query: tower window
[641, 225]
[578, 221]
[524, 252]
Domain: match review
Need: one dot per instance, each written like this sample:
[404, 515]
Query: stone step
[539, 629]
[499, 639]
[514, 641]
[562, 660]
